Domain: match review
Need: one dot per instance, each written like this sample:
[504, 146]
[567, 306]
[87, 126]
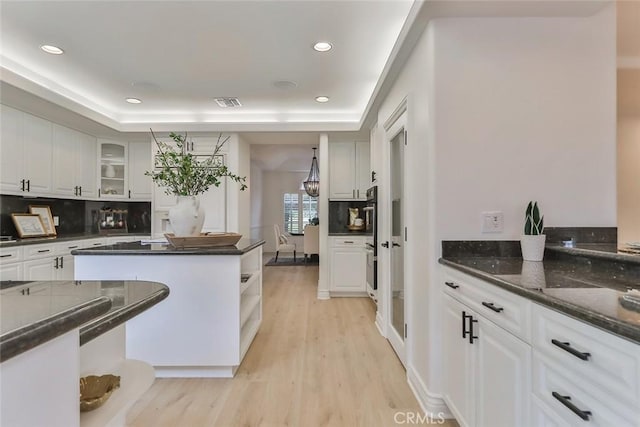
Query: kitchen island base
[207, 325]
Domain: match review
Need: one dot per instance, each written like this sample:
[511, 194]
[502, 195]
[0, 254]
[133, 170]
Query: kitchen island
[215, 309]
[54, 332]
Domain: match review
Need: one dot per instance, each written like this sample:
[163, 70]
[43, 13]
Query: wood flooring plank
[312, 363]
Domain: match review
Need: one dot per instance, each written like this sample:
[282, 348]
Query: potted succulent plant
[533, 240]
[186, 176]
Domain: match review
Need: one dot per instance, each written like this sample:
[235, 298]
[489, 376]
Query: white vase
[186, 217]
[532, 247]
[532, 275]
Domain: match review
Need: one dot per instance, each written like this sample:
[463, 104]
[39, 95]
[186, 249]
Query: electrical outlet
[492, 222]
[56, 221]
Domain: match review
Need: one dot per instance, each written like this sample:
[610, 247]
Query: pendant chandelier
[312, 184]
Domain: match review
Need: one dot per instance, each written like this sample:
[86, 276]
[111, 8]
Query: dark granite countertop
[137, 248]
[70, 237]
[36, 312]
[605, 295]
[605, 251]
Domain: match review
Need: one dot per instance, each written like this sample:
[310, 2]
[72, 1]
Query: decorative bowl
[95, 390]
[356, 227]
[204, 240]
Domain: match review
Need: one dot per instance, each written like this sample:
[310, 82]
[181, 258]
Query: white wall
[275, 184]
[500, 111]
[256, 178]
[525, 111]
[629, 179]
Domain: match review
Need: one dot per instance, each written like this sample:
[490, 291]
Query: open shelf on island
[248, 332]
[135, 378]
[253, 277]
[247, 306]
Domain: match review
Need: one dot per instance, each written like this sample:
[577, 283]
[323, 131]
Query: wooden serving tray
[204, 240]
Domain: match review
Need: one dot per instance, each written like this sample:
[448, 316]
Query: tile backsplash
[76, 216]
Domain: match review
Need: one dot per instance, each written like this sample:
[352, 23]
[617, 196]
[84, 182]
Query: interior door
[397, 313]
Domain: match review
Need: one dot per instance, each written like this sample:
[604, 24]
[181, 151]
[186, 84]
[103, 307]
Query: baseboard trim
[378, 323]
[323, 294]
[195, 372]
[348, 294]
[429, 402]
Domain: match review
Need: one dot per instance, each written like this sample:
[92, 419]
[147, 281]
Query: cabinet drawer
[505, 309]
[65, 248]
[610, 362]
[605, 410]
[12, 254]
[39, 251]
[356, 241]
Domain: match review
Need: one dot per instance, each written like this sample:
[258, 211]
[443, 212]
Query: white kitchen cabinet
[11, 151]
[349, 170]
[38, 149]
[39, 269]
[580, 365]
[113, 170]
[85, 172]
[347, 265]
[74, 155]
[487, 368]
[458, 364]
[25, 150]
[140, 185]
[12, 271]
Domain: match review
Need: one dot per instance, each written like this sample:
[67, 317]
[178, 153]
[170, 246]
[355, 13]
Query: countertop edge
[109, 250]
[600, 321]
[18, 341]
[100, 325]
[56, 239]
[609, 256]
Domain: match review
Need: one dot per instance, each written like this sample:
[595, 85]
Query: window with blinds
[299, 208]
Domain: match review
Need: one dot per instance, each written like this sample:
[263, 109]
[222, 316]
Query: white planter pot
[186, 217]
[532, 247]
[532, 275]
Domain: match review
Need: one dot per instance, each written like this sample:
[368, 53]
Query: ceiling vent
[228, 102]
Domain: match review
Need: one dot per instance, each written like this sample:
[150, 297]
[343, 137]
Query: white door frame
[393, 126]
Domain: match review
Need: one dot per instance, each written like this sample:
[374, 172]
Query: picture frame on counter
[47, 218]
[28, 225]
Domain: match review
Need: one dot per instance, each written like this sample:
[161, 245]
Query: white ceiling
[177, 56]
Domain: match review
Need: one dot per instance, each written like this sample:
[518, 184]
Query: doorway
[397, 323]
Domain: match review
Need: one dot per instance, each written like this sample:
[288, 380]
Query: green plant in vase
[533, 240]
[187, 175]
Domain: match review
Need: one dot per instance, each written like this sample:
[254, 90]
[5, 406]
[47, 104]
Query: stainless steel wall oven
[371, 219]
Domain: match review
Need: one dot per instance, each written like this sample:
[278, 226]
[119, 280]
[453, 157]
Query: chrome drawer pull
[566, 401]
[452, 285]
[491, 306]
[567, 347]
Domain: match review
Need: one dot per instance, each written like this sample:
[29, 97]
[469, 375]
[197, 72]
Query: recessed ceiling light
[54, 50]
[322, 46]
[133, 101]
[322, 98]
[285, 84]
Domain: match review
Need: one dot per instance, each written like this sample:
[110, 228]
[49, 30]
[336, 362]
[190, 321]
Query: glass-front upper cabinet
[113, 169]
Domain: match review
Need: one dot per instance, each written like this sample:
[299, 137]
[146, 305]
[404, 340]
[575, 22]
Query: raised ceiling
[177, 56]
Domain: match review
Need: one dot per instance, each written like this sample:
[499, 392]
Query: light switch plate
[492, 222]
[56, 221]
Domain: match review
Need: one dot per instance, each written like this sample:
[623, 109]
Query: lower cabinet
[488, 370]
[487, 367]
[347, 265]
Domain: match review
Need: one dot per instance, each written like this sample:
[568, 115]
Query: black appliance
[371, 221]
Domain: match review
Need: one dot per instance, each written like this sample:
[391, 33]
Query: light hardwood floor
[313, 363]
